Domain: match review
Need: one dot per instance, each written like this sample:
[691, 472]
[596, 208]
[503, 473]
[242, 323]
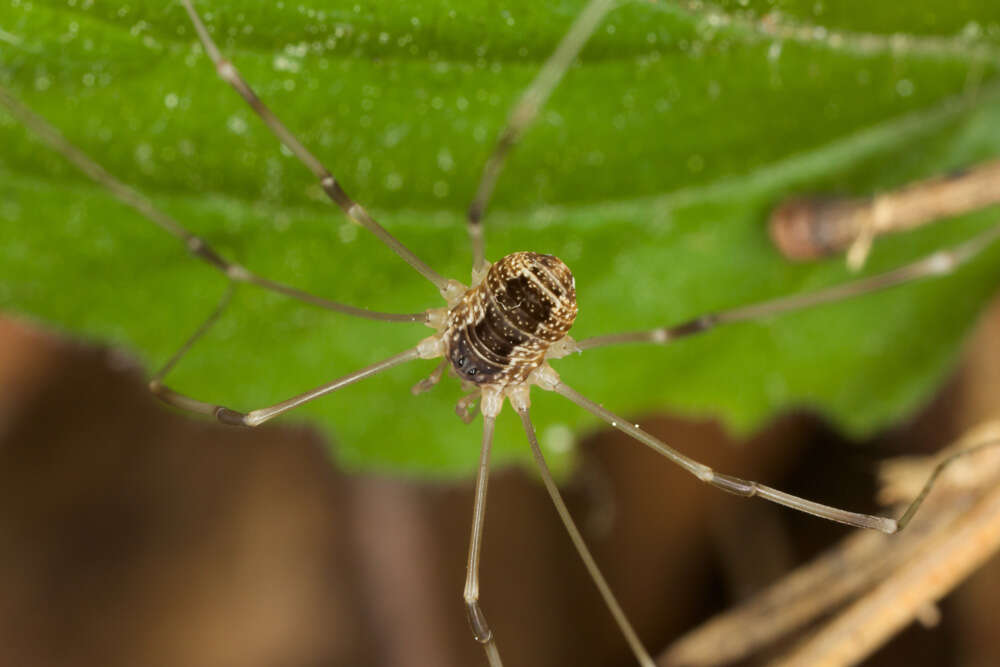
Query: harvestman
[498, 334]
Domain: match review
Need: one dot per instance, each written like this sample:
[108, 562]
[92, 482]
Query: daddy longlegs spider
[499, 333]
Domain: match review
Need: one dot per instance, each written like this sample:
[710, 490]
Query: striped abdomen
[501, 329]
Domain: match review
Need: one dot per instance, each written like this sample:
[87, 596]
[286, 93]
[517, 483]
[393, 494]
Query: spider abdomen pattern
[500, 330]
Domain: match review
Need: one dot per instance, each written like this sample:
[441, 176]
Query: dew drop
[557, 438]
[283, 63]
[236, 125]
[144, 154]
[347, 232]
[445, 161]
[972, 31]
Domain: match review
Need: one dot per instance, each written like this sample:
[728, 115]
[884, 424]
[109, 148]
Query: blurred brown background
[133, 535]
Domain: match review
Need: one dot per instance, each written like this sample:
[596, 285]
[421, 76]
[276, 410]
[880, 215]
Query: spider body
[502, 328]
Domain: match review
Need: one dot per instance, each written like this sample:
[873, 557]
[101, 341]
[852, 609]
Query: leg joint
[477, 621]
[230, 417]
[735, 485]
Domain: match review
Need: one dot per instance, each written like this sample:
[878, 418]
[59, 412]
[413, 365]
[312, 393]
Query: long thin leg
[734, 485]
[199, 332]
[194, 244]
[525, 112]
[750, 489]
[257, 417]
[228, 72]
[480, 628]
[940, 263]
[581, 547]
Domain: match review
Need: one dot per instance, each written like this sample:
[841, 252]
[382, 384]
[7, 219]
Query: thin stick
[897, 600]
[806, 228]
[258, 417]
[194, 244]
[728, 483]
[789, 604]
[524, 114]
[853, 568]
[228, 73]
[581, 547]
[940, 263]
[799, 598]
[477, 620]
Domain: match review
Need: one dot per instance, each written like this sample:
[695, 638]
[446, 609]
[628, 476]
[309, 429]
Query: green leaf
[650, 172]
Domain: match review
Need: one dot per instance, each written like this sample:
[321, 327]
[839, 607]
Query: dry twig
[893, 579]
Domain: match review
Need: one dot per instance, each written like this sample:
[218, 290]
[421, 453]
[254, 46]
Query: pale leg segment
[228, 72]
[750, 489]
[911, 510]
[257, 417]
[477, 620]
[199, 332]
[194, 244]
[941, 263]
[728, 483]
[581, 547]
[524, 114]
